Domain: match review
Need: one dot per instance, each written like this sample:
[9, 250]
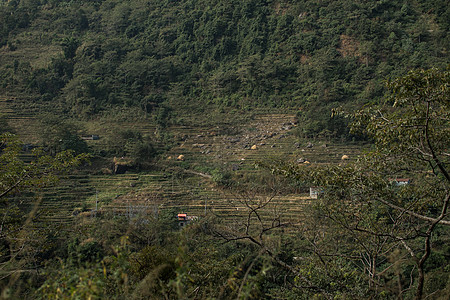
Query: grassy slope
[205, 130]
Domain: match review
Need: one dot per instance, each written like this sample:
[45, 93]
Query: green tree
[17, 216]
[58, 135]
[16, 174]
[376, 223]
[70, 46]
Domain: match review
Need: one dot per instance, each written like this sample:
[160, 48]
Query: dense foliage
[383, 227]
[193, 56]
[135, 69]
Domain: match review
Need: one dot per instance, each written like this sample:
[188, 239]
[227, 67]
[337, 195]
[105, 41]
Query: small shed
[92, 137]
[120, 165]
[28, 147]
[315, 191]
[184, 219]
[400, 181]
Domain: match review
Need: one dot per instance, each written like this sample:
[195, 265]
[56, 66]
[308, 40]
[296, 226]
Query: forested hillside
[224, 149]
[85, 57]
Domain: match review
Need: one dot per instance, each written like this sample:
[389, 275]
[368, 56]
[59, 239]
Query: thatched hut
[120, 165]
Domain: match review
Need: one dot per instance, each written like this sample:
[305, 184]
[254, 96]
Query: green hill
[217, 170]
[83, 58]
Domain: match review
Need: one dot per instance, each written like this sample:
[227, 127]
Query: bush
[58, 135]
[222, 177]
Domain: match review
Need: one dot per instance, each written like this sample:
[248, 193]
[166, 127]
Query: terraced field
[206, 148]
[235, 148]
[197, 196]
[23, 123]
[135, 194]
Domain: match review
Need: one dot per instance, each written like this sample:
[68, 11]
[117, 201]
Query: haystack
[180, 157]
[345, 157]
[254, 147]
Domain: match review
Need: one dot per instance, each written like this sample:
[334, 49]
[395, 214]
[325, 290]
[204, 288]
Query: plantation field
[182, 184]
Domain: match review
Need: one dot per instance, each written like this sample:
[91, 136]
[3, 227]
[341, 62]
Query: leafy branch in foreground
[376, 217]
[16, 174]
[16, 215]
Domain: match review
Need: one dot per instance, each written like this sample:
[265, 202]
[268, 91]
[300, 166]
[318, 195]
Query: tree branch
[18, 182]
[419, 216]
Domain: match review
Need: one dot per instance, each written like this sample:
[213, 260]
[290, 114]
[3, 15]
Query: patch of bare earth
[348, 46]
